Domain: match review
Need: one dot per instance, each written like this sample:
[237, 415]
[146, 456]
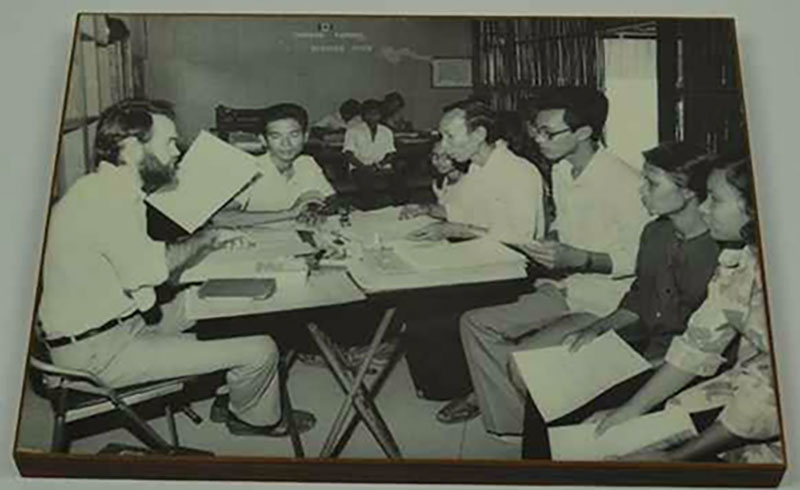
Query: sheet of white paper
[652, 431]
[210, 173]
[383, 225]
[445, 255]
[582, 375]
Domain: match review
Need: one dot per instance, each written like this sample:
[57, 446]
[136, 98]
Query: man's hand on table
[554, 255]
[442, 231]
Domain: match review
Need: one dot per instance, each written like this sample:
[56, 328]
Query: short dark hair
[349, 109]
[370, 105]
[738, 172]
[286, 110]
[582, 106]
[687, 164]
[395, 98]
[129, 117]
[478, 114]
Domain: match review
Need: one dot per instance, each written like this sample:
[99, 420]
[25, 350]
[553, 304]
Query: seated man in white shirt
[348, 114]
[599, 218]
[101, 269]
[370, 152]
[290, 183]
[500, 197]
[505, 191]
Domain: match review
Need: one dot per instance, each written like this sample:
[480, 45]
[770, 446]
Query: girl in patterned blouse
[747, 428]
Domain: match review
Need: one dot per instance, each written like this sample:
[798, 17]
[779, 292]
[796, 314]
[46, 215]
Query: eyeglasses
[546, 134]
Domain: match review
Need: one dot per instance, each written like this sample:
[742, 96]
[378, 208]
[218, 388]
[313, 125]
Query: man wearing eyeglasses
[592, 244]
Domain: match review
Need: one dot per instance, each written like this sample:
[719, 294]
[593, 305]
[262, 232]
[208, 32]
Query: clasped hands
[307, 208]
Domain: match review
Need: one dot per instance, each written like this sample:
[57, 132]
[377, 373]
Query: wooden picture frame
[113, 59]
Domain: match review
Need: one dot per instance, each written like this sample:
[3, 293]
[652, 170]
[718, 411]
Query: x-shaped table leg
[357, 394]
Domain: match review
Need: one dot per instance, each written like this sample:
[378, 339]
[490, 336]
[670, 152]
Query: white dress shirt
[600, 211]
[100, 263]
[505, 195]
[358, 139]
[272, 191]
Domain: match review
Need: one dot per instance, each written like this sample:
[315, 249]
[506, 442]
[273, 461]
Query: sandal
[219, 409]
[457, 411]
[303, 422]
[311, 359]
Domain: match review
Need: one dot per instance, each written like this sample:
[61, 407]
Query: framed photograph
[275, 251]
[451, 73]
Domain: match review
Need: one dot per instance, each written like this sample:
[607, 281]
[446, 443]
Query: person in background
[734, 411]
[99, 311]
[348, 114]
[446, 186]
[370, 152]
[593, 243]
[290, 183]
[392, 112]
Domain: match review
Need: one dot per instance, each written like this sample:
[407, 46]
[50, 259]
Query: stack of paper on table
[247, 263]
[582, 375]
[411, 266]
[209, 175]
[649, 432]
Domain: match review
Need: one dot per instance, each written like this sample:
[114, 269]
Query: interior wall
[200, 62]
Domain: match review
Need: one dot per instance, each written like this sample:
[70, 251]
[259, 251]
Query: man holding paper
[98, 309]
[594, 240]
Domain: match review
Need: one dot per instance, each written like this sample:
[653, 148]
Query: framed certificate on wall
[451, 72]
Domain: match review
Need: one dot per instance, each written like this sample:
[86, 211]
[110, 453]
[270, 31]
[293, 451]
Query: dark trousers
[435, 356]
[432, 339]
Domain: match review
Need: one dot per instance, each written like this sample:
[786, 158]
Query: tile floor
[411, 420]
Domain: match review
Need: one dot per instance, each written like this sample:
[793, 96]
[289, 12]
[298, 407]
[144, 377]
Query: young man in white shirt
[289, 182]
[370, 152]
[500, 196]
[599, 218]
[101, 269]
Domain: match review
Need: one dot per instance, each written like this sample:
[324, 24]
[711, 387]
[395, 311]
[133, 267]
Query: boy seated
[368, 150]
[290, 184]
[348, 114]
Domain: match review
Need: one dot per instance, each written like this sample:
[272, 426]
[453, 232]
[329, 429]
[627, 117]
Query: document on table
[209, 175]
[649, 432]
[383, 225]
[582, 375]
[428, 256]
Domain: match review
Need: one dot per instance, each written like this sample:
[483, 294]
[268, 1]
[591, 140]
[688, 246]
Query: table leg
[373, 390]
[356, 394]
[286, 403]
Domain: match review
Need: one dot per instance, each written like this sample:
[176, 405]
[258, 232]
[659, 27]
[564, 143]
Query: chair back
[230, 120]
